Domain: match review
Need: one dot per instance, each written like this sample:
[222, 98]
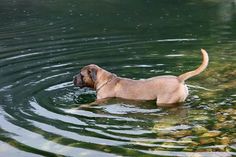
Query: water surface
[43, 44]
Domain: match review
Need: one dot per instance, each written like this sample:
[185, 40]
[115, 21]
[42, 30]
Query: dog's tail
[202, 67]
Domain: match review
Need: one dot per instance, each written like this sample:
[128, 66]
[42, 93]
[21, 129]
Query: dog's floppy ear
[93, 74]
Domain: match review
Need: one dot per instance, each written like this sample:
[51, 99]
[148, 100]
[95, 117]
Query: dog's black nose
[75, 80]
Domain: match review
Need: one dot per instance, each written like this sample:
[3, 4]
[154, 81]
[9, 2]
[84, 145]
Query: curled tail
[202, 67]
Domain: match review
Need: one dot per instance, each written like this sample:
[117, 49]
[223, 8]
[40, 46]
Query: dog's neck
[103, 84]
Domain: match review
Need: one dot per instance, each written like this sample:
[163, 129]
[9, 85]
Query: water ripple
[40, 110]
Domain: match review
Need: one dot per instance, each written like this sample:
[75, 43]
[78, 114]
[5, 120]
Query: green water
[43, 44]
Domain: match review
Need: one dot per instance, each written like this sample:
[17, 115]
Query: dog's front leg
[95, 103]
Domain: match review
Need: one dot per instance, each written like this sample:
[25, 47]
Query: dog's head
[87, 76]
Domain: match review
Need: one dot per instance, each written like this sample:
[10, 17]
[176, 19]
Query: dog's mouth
[83, 81]
[78, 81]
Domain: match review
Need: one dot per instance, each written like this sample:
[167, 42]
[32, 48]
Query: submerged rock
[182, 133]
[211, 134]
[204, 141]
[199, 118]
[199, 130]
[224, 140]
[230, 111]
[188, 141]
[221, 117]
[225, 125]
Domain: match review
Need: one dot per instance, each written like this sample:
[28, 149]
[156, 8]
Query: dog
[163, 89]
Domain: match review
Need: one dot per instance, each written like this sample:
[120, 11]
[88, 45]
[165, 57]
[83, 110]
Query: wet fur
[164, 89]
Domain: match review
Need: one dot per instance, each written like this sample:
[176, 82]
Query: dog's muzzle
[77, 80]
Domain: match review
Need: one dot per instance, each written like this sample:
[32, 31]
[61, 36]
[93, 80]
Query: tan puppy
[163, 89]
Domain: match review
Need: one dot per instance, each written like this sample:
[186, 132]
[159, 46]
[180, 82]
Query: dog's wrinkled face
[87, 77]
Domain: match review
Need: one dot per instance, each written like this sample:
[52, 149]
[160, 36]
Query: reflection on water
[43, 44]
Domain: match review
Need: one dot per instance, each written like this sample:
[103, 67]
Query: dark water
[44, 43]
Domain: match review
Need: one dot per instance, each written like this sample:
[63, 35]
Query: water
[43, 44]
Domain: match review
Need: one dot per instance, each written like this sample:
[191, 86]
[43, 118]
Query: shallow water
[43, 44]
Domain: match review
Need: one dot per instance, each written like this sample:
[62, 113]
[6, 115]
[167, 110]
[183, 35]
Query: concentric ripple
[39, 107]
[40, 113]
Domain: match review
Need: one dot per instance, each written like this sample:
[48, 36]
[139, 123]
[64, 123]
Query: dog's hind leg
[168, 101]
